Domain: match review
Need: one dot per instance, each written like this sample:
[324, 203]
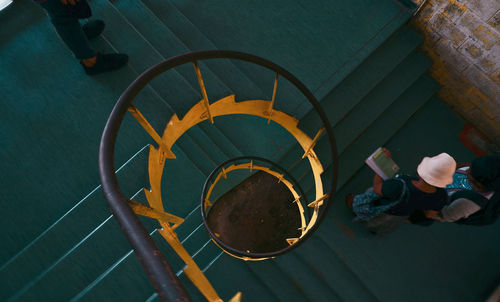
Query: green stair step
[215, 88]
[229, 275]
[399, 111]
[387, 124]
[177, 208]
[261, 139]
[198, 241]
[158, 118]
[178, 201]
[126, 281]
[371, 106]
[68, 231]
[288, 40]
[378, 100]
[127, 271]
[127, 278]
[132, 138]
[179, 179]
[312, 284]
[334, 270]
[383, 128]
[164, 20]
[470, 241]
[168, 45]
[204, 259]
[342, 241]
[53, 117]
[245, 79]
[302, 32]
[209, 147]
[170, 15]
[389, 252]
[412, 242]
[79, 266]
[278, 281]
[390, 26]
[442, 123]
[392, 262]
[177, 99]
[341, 99]
[356, 85]
[203, 159]
[221, 274]
[227, 124]
[94, 269]
[440, 128]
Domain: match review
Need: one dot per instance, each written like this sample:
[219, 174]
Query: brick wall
[463, 39]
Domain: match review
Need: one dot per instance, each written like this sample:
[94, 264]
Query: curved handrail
[162, 277]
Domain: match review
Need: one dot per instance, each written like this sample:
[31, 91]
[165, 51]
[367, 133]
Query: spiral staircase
[360, 61]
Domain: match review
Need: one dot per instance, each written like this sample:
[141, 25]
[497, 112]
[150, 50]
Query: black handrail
[158, 270]
[156, 266]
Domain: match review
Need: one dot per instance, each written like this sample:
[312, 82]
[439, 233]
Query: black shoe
[107, 62]
[93, 29]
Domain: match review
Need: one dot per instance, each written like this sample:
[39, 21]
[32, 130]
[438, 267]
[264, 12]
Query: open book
[384, 166]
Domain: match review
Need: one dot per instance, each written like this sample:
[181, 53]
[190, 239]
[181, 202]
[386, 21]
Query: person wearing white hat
[426, 194]
[427, 191]
[437, 171]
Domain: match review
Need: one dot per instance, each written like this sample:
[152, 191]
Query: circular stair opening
[252, 207]
[257, 215]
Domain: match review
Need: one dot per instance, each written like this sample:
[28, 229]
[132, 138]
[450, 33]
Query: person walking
[474, 193]
[409, 197]
[64, 16]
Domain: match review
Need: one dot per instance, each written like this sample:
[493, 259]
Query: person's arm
[431, 213]
[458, 209]
[377, 184]
[70, 2]
[377, 180]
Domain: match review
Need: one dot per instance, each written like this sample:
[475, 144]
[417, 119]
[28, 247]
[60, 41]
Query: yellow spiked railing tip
[146, 211]
[150, 130]
[203, 91]
[271, 105]
[280, 178]
[192, 271]
[207, 204]
[318, 201]
[291, 241]
[236, 298]
[175, 226]
[313, 143]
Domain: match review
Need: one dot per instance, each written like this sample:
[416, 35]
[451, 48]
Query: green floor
[60, 241]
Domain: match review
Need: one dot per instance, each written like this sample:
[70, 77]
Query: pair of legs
[65, 18]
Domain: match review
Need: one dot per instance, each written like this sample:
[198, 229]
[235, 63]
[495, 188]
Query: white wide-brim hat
[438, 170]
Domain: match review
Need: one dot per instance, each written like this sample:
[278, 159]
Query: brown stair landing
[257, 215]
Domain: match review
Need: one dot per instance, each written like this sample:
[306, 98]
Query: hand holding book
[381, 163]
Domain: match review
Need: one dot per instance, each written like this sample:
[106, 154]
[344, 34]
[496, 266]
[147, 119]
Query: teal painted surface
[354, 55]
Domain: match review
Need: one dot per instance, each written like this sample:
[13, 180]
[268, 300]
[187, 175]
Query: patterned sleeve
[458, 209]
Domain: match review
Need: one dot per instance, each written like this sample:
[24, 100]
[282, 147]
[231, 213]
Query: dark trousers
[66, 23]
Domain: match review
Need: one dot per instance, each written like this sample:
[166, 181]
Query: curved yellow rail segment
[228, 106]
